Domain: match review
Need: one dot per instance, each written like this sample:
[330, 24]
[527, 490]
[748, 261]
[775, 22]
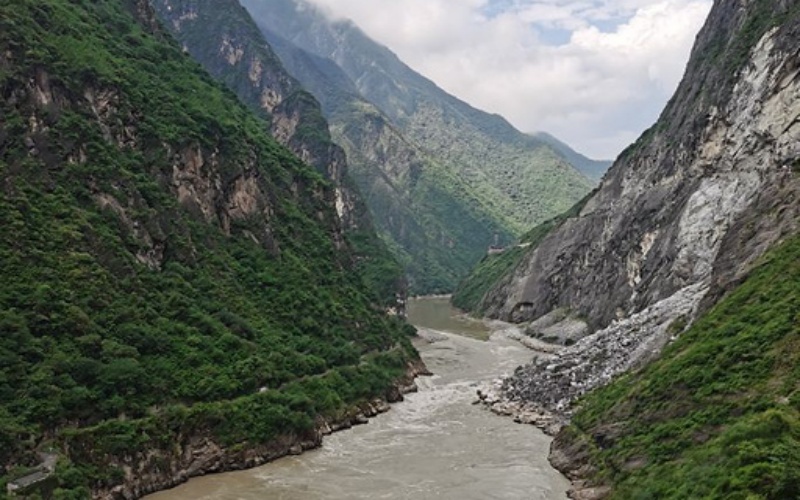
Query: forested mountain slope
[431, 230]
[434, 222]
[718, 416]
[178, 295]
[593, 169]
[464, 175]
[520, 179]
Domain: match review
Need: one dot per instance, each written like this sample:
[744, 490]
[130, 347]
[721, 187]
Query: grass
[718, 416]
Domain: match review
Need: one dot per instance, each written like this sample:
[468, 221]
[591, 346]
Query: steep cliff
[174, 280]
[695, 201]
[476, 169]
[716, 416]
[223, 38]
[678, 222]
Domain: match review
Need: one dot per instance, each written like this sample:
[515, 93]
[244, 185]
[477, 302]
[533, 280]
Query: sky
[594, 73]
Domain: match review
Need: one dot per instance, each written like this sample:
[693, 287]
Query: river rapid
[435, 444]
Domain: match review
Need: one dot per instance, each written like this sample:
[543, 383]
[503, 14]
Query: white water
[436, 444]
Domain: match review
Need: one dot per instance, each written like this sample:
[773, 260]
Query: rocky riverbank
[552, 382]
[493, 396]
[199, 455]
[419, 449]
[542, 392]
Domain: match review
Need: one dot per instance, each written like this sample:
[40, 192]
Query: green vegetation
[718, 416]
[517, 180]
[440, 177]
[469, 294]
[759, 17]
[447, 187]
[456, 233]
[495, 268]
[129, 319]
[421, 211]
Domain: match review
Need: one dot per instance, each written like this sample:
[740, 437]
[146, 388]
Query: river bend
[434, 445]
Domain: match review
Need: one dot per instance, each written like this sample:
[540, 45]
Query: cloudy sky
[594, 73]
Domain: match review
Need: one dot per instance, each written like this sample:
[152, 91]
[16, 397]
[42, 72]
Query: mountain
[471, 292]
[701, 211]
[593, 169]
[223, 38]
[179, 295]
[397, 127]
[436, 227]
[718, 416]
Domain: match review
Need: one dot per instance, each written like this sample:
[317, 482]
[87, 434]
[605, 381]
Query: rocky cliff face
[682, 215]
[221, 36]
[435, 224]
[224, 39]
[519, 178]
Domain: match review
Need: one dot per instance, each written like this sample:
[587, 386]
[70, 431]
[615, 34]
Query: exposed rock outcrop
[442, 179]
[176, 274]
[680, 218]
[558, 327]
[668, 212]
[550, 385]
[234, 52]
[222, 37]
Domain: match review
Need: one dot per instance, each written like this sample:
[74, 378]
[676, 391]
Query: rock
[682, 217]
[381, 406]
[565, 332]
[697, 199]
[550, 385]
[596, 493]
[201, 454]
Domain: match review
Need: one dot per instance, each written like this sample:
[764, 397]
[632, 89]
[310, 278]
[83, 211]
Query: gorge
[215, 212]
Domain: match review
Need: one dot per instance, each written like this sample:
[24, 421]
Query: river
[435, 444]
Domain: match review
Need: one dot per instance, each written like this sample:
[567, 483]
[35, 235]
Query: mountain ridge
[452, 145]
[594, 169]
[235, 53]
[404, 95]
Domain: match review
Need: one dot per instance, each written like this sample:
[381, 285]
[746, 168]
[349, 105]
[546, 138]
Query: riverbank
[436, 444]
[561, 457]
[202, 454]
[492, 396]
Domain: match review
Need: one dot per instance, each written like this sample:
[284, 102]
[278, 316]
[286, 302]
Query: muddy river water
[434, 445]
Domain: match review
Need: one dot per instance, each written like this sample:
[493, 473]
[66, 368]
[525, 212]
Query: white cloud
[597, 87]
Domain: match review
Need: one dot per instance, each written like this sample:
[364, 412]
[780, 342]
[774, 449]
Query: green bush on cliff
[718, 416]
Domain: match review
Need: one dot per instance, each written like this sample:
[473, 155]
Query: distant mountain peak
[441, 177]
